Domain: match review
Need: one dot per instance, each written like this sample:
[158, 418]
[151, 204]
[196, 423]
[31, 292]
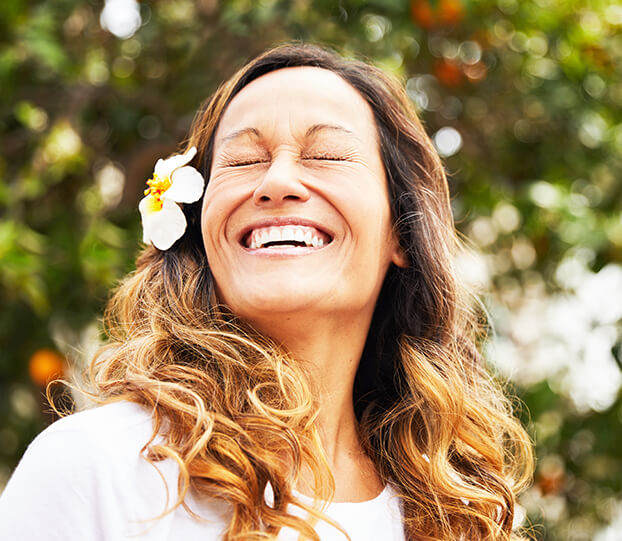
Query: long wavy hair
[237, 412]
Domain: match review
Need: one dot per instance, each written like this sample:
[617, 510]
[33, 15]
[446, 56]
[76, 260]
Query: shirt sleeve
[57, 492]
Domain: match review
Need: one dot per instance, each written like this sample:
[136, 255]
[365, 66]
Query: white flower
[173, 182]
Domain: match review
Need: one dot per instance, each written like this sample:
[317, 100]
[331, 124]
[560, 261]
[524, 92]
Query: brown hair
[240, 412]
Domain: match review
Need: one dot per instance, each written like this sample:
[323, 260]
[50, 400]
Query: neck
[332, 349]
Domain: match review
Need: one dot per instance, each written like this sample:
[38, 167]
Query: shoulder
[102, 445]
[113, 428]
[110, 418]
[85, 470]
[106, 438]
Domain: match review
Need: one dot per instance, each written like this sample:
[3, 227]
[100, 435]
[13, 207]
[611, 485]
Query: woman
[294, 355]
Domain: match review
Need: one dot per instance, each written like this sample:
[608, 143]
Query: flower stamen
[157, 186]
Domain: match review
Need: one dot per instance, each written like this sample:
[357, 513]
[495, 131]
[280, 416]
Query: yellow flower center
[157, 186]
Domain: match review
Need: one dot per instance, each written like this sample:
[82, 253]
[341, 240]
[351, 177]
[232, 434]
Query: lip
[283, 220]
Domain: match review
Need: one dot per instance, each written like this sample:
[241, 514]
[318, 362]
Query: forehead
[298, 97]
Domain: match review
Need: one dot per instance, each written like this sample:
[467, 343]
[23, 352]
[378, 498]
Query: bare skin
[296, 155]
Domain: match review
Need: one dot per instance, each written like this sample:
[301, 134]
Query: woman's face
[296, 215]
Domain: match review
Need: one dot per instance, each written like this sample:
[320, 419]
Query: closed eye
[326, 157]
[244, 163]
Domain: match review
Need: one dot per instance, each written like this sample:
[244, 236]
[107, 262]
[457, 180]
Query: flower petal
[148, 205]
[164, 168]
[187, 185]
[164, 227]
[161, 169]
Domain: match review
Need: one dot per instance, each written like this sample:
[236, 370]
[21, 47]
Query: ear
[398, 255]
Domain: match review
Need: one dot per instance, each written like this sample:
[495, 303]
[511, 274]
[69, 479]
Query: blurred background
[523, 99]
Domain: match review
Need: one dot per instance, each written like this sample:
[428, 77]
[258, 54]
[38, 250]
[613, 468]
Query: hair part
[240, 411]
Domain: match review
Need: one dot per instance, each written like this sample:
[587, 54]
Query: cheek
[219, 205]
[207, 222]
[212, 231]
[366, 209]
[372, 227]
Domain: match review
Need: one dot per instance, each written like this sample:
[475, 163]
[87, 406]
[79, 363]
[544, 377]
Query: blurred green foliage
[524, 99]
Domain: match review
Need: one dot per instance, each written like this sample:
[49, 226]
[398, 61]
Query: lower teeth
[289, 244]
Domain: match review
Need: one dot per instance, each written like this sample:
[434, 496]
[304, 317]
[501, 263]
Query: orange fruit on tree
[45, 365]
[450, 12]
[448, 72]
[422, 14]
[429, 13]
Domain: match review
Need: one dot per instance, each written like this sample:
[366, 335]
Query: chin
[274, 305]
[271, 300]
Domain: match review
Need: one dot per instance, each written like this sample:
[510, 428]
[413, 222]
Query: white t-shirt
[84, 479]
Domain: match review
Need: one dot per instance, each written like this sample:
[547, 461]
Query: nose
[281, 183]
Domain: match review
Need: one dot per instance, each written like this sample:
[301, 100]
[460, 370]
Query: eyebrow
[320, 127]
[310, 132]
[240, 133]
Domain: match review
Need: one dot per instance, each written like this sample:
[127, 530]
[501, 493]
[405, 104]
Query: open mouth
[293, 236]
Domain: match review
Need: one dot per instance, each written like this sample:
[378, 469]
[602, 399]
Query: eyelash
[243, 163]
[319, 157]
[326, 157]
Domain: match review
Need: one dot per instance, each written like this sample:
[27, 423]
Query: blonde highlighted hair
[238, 412]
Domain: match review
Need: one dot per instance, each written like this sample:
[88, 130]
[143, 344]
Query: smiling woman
[296, 153]
[296, 357]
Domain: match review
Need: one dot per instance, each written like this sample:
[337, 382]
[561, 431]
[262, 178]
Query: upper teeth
[295, 233]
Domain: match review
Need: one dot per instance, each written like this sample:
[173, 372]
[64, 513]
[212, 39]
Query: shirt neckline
[383, 497]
